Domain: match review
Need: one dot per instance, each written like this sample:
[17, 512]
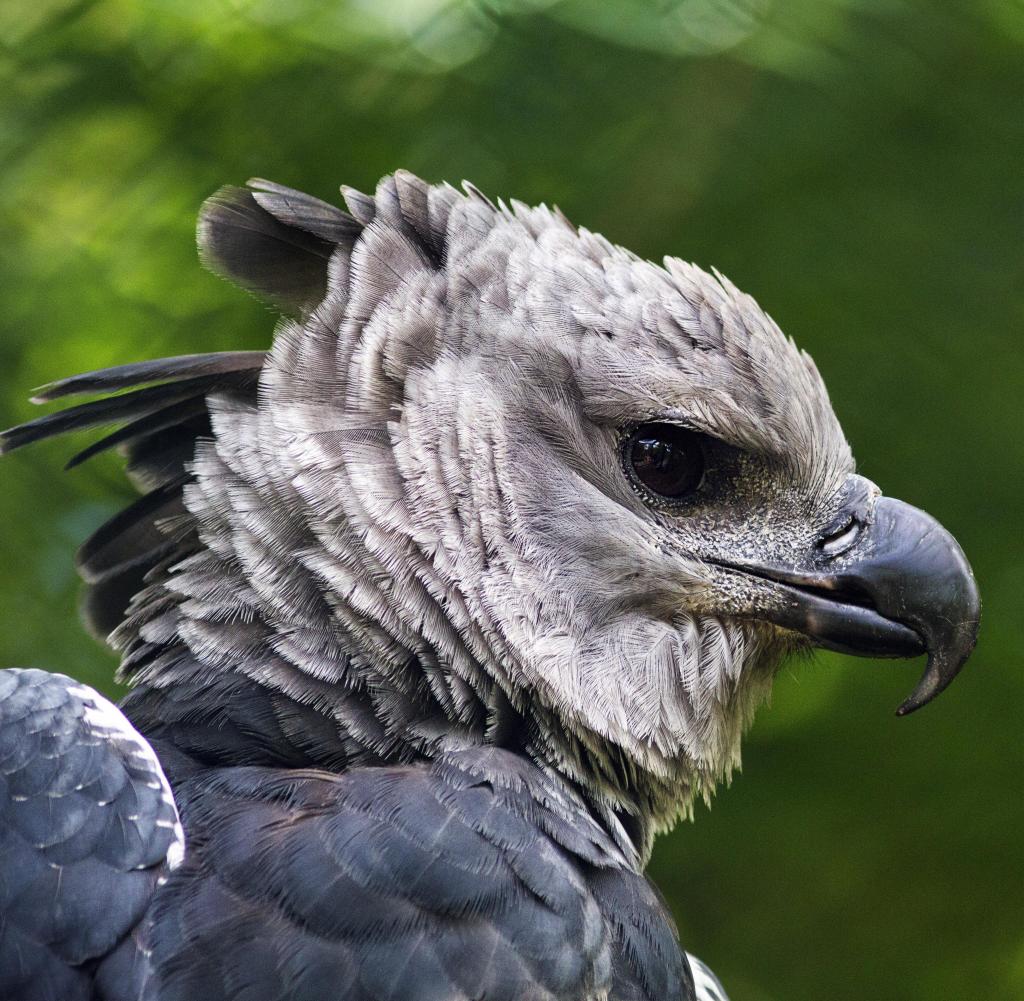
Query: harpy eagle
[435, 614]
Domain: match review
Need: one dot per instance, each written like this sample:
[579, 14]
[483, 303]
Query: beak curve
[904, 588]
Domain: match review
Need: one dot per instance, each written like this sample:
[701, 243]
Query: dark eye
[665, 459]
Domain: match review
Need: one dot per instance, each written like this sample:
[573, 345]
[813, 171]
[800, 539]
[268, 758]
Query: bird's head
[622, 487]
[510, 468]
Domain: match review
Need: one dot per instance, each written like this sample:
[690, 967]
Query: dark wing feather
[162, 412]
[175, 416]
[649, 963]
[109, 410]
[116, 558]
[419, 883]
[88, 828]
[108, 380]
[133, 531]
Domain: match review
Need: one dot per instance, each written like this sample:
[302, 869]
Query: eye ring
[842, 537]
[664, 461]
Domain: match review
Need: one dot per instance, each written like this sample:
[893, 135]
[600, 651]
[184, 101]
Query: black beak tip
[946, 659]
[938, 674]
[926, 690]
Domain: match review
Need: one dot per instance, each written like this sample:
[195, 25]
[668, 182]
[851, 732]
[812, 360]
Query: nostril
[841, 539]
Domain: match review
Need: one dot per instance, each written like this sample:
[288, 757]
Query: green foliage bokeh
[857, 165]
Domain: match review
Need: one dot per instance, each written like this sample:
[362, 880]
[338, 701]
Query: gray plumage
[425, 663]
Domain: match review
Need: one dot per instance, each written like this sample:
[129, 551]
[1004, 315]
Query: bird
[434, 615]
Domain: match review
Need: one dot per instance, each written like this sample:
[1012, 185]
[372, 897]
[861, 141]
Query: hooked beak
[904, 587]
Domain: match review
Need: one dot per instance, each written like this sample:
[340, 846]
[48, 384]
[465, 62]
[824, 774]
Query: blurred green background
[858, 165]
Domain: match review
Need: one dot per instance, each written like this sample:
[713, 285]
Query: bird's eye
[666, 459]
